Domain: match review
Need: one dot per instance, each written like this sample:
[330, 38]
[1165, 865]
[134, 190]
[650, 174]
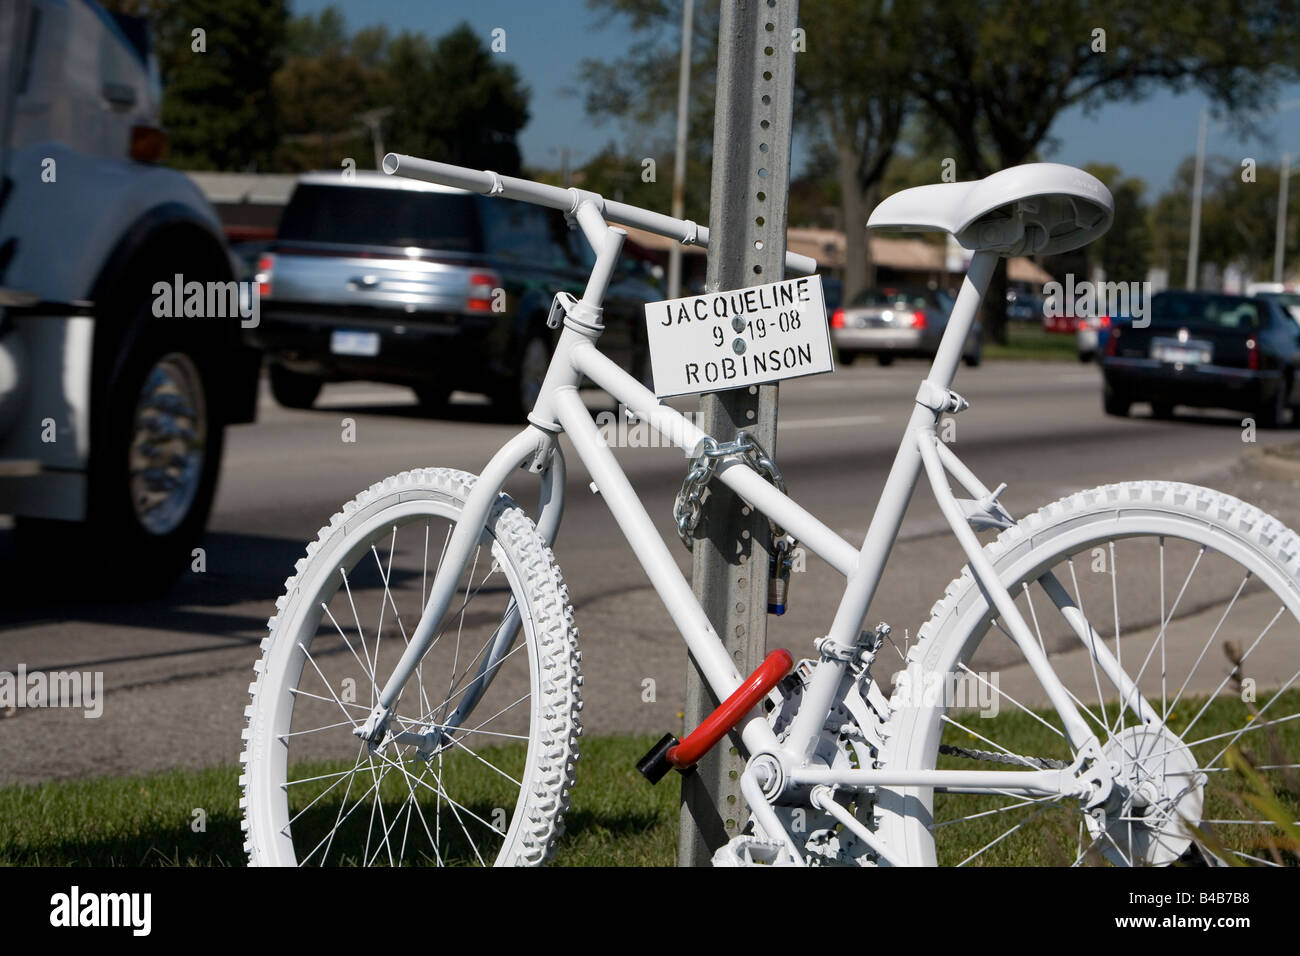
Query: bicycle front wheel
[479, 760]
[1197, 597]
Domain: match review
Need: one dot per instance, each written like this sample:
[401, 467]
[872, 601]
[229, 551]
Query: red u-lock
[730, 712]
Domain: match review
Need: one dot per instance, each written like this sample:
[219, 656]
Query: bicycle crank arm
[673, 754]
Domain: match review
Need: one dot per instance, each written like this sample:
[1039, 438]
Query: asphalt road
[176, 669]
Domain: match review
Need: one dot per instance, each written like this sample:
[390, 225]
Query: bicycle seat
[1038, 208]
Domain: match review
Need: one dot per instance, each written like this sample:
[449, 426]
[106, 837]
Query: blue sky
[547, 39]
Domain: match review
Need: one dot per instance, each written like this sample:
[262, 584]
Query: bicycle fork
[534, 447]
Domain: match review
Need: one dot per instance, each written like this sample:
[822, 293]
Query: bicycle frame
[560, 410]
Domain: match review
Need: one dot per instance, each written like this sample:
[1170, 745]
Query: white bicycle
[418, 696]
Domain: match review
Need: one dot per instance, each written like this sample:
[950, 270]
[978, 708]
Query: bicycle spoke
[1092, 649]
[1201, 656]
[996, 840]
[1224, 683]
[1193, 598]
[1164, 620]
[1013, 701]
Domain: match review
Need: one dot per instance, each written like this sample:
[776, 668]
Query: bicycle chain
[1042, 763]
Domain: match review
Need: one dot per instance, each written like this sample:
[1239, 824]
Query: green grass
[617, 819]
[1052, 837]
[1031, 341]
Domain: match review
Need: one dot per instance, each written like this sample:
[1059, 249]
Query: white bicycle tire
[960, 619]
[547, 628]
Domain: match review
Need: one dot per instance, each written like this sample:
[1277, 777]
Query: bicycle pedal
[750, 851]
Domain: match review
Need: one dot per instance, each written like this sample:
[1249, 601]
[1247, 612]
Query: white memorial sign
[751, 336]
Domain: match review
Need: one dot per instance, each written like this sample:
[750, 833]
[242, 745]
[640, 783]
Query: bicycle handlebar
[565, 199]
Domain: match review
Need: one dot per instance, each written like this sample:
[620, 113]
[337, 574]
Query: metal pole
[747, 216]
[679, 159]
[1194, 241]
[1279, 243]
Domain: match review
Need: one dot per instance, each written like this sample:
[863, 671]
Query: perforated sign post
[747, 219]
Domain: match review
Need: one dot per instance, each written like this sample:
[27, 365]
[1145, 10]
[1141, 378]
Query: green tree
[997, 73]
[638, 93]
[218, 106]
[624, 178]
[455, 101]
[322, 99]
[329, 85]
[1239, 226]
[1238, 220]
[847, 90]
[1124, 252]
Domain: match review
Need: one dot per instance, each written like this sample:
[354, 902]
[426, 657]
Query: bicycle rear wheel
[1197, 595]
[479, 762]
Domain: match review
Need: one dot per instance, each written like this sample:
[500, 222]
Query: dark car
[896, 321]
[832, 292]
[398, 281]
[1290, 301]
[1024, 306]
[1205, 350]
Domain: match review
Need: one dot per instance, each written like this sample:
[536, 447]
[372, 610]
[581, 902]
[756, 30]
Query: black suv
[393, 280]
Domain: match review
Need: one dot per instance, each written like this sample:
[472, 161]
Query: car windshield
[357, 215]
[1284, 298]
[1224, 312]
[895, 298]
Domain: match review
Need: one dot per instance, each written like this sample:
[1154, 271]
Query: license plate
[1182, 353]
[344, 342]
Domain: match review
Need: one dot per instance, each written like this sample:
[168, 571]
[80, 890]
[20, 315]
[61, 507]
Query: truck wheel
[155, 453]
[515, 399]
[432, 396]
[1114, 403]
[1273, 412]
[294, 389]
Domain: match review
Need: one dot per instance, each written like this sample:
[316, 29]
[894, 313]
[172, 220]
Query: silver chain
[1042, 763]
[704, 462]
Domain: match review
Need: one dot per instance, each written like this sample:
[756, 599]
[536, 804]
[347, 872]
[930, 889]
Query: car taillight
[482, 291]
[1252, 355]
[918, 319]
[1104, 322]
[1112, 342]
[148, 144]
[263, 278]
[837, 319]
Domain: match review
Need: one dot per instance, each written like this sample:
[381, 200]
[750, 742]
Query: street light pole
[1194, 240]
[679, 159]
[1198, 180]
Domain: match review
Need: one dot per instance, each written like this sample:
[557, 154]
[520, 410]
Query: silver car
[893, 321]
[1087, 336]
